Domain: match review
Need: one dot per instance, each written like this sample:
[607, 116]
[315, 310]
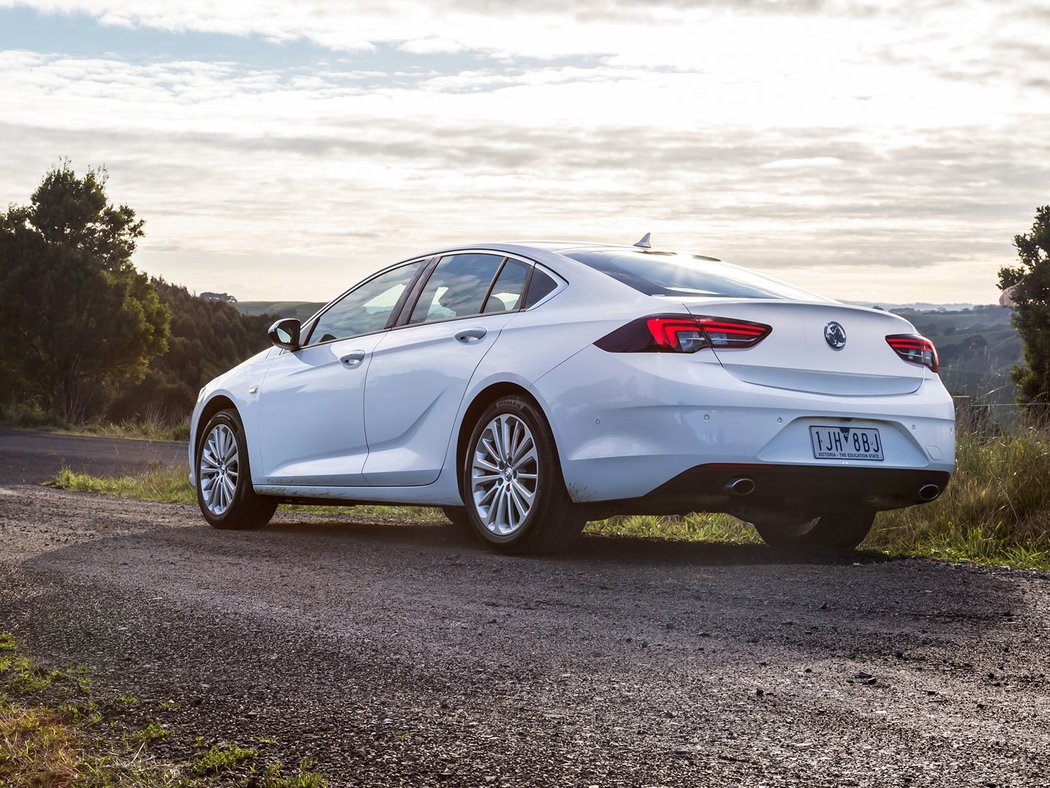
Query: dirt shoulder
[405, 654]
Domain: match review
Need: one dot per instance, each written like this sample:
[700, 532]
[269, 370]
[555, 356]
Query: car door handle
[469, 335]
[353, 359]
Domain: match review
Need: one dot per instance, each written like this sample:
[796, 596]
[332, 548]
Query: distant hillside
[919, 306]
[299, 309]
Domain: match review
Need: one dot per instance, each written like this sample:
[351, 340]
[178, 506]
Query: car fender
[241, 387]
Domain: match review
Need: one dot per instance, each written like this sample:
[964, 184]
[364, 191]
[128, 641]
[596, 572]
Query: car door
[420, 370]
[311, 402]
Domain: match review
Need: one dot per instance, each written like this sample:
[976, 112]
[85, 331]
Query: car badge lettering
[835, 335]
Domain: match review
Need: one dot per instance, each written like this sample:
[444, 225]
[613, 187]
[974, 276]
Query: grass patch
[158, 483]
[220, 758]
[691, 528]
[56, 729]
[37, 746]
[166, 484]
[996, 509]
[151, 734]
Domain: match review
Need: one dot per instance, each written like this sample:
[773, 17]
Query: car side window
[456, 288]
[364, 309]
[540, 287]
[506, 292]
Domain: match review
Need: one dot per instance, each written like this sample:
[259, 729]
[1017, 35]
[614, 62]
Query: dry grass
[996, 509]
[37, 747]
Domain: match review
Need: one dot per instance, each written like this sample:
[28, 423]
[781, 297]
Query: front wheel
[224, 479]
[515, 496]
[835, 531]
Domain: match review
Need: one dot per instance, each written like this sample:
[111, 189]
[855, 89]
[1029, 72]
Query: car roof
[556, 247]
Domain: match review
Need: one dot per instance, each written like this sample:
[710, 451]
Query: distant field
[298, 309]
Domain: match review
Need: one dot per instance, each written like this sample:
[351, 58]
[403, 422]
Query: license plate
[846, 443]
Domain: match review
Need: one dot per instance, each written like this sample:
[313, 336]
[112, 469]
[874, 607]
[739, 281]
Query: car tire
[833, 531]
[224, 481]
[516, 501]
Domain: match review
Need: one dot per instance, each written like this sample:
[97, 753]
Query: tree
[207, 338]
[77, 313]
[1030, 291]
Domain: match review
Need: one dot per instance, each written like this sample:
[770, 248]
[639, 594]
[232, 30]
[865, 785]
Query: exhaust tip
[929, 491]
[742, 486]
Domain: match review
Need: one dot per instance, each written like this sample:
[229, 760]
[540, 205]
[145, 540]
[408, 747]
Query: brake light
[915, 350]
[683, 334]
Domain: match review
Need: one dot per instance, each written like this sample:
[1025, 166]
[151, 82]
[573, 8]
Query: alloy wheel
[219, 469]
[504, 474]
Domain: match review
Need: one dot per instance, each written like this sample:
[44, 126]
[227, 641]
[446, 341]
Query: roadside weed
[273, 777]
[221, 758]
[158, 483]
[154, 732]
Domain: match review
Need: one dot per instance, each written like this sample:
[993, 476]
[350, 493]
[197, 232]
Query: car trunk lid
[799, 354]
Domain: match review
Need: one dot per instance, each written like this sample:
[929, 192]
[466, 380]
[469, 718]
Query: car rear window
[667, 274]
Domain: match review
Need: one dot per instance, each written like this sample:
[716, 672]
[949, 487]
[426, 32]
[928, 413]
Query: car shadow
[590, 548]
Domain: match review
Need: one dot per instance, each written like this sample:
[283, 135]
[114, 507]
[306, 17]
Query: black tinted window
[506, 293]
[456, 288]
[365, 308]
[539, 288]
[661, 273]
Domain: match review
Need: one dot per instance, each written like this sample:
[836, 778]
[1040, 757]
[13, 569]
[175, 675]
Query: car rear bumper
[754, 491]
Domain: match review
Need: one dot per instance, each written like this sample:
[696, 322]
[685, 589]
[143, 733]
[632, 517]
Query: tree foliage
[1030, 283]
[78, 316]
[207, 338]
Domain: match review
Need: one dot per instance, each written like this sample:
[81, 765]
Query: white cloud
[892, 149]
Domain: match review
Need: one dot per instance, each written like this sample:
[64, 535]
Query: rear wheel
[515, 496]
[833, 531]
[224, 479]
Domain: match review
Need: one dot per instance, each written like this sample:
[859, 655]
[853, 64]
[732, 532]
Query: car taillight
[683, 334]
[915, 350]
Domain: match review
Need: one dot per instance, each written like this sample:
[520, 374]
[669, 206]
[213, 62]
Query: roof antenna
[644, 243]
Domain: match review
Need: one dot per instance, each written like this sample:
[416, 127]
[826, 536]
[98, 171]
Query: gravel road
[404, 655]
[33, 457]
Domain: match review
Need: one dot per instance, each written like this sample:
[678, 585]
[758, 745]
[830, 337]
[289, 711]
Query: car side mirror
[285, 333]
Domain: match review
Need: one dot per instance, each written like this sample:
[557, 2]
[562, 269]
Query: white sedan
[526, 388]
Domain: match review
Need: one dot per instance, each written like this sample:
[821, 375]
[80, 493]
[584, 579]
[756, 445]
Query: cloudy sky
[880, 150]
